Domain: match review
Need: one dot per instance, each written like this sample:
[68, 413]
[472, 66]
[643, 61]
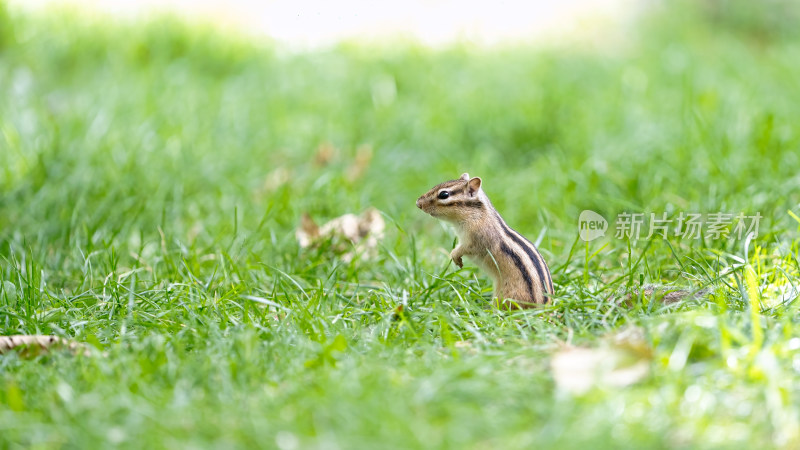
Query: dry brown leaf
[364, 232]
[360, 163]
[308, 231]
[620, 360]
[274, 180]
[324, 154]
[33, 345]
[660, 293]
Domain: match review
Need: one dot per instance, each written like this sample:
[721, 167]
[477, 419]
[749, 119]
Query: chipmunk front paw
[457, 259]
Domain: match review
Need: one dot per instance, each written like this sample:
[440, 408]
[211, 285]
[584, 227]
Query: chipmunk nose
[419, 203]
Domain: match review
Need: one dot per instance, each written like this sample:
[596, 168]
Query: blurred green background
[153, 174]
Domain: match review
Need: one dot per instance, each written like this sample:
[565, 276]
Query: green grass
[152, 176]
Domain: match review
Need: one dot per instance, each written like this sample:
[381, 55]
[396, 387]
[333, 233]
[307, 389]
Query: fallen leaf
[660, 293]
[33, 345]
[349, 234]
[273, 181]
[360, 163]
[324, 154]
[621, 359]
[307, 232]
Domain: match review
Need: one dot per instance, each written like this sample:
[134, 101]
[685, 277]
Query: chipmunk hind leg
[508, 295]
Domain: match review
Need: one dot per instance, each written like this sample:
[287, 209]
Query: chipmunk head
[454, 200]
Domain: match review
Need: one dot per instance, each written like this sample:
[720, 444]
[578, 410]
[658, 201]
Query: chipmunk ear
[464, 176]
[474, 185]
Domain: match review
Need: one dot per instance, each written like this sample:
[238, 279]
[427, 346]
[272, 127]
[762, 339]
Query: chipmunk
[520, 274]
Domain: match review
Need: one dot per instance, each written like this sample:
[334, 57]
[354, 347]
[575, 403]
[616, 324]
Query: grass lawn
[153, 174]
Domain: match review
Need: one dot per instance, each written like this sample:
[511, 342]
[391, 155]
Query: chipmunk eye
[443, 195]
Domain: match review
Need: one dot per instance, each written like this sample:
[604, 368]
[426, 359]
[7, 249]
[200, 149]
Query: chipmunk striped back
[516, 266]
